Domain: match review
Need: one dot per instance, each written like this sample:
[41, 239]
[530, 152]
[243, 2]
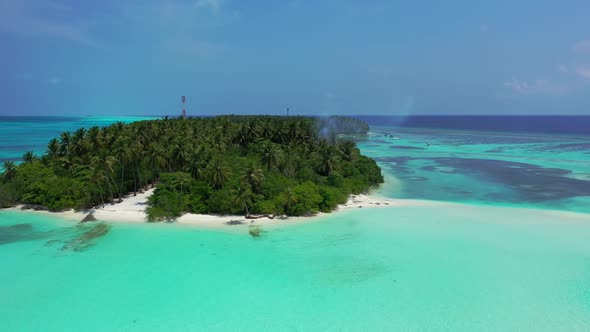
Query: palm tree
[244, 198]
[195, 166]
[9, 170]
[118, 126]
[280, 133]
[289, 200]
[270, 156]
[348, 150]
[97, 177]
[254, 177]
[53, 148]
[328, 160]
[136, 157]
[67, 163]
[182, 151]
[219, 144]
[243, 135]
[77, 142]
[124, 155]
[218, 173]
[93, 135]
[105, 163]
[265, 130]
[29, 157]
[65, 139]
[155, 157]
[293, 131]
[181, 181]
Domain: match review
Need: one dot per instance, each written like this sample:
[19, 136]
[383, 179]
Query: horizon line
[293, 115]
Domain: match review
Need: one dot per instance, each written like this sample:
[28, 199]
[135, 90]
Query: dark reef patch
[19, 232]
[532, 183]
[428, 168]
[569, 147]
[524, 182]
[86, 239]
[405, 147]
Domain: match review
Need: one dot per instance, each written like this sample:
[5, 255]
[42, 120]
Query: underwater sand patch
[416, 178]
[347, 270]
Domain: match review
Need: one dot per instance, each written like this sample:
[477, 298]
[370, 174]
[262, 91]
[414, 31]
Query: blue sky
[117, 57]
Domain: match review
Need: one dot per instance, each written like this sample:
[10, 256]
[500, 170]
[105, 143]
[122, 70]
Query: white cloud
[213, 5]
[537, 87]
[583, 71]
[582, 46]
[517, 85]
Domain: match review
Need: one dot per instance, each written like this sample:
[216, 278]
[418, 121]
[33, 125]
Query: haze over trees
[226, 165]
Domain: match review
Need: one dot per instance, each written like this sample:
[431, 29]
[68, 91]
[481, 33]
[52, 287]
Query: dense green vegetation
[225, 164]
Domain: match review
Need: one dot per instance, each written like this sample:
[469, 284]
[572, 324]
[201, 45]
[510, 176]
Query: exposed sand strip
[132, 210]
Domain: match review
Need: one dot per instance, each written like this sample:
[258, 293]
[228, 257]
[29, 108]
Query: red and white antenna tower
[183, 107]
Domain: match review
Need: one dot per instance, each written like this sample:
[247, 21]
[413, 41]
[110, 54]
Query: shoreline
[132, 210]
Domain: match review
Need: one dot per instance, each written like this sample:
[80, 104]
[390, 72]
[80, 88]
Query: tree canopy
[226, 164]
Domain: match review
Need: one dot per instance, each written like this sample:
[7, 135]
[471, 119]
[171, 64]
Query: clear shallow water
[442, 267]
[408, 268]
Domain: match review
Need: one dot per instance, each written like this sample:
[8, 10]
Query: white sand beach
[132, 209]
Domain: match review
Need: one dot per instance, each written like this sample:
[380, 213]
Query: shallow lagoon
[439, 268]
[536, 170]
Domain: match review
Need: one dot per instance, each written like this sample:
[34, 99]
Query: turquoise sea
[25, 133]
[502, 244]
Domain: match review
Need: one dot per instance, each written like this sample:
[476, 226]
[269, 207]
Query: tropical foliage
[226, 164]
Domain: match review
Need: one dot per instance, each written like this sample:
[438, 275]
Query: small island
[228, 165]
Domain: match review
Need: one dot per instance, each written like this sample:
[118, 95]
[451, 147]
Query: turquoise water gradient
[443, 268]
[503, 262]
[498, 168]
